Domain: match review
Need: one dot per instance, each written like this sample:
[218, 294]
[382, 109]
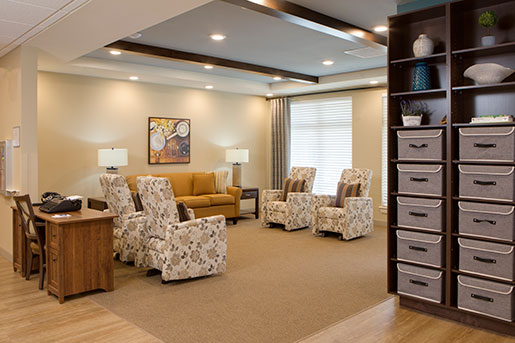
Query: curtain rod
[326, 92]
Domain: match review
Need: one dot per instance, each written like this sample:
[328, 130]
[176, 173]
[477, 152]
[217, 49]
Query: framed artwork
[168, 140]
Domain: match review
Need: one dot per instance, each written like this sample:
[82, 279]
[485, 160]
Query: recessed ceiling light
[373, 82]
[134, 78]
[136, 35]
[269, 94]
[208, 67]
[209, 87]
[115, 52]
[217, 36]
[327, 62]
[380, 28]
[277, 78]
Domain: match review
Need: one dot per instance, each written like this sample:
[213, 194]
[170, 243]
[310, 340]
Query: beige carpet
[279, 287]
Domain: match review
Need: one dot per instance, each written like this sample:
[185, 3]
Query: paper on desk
[61, 215]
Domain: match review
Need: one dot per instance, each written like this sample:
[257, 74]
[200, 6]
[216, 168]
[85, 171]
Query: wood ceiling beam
[313, 20]
[170, 54]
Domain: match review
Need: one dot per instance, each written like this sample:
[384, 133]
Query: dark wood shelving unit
[454, 28]
[438, 91]
[486, 50]
[421, 127]
[434, 57]
[457, 271]
[414, 195]
[442, 269]
[486, 239]
[417, 230]
[484, 87]
[490, 163]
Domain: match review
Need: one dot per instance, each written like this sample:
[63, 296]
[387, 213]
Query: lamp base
[111, 170]
[236, 175]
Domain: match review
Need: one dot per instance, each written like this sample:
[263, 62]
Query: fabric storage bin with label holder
[419, 213]
[487, 258]
[420, 282]
[420, 145]
[423, 248]
[486, 220]
[487, 144]
[423, 179]
[486, 297]
[487, 182]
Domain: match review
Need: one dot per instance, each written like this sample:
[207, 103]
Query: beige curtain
[280, 112]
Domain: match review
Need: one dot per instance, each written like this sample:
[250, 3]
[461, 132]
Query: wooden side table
[251, 193]
[98, 203]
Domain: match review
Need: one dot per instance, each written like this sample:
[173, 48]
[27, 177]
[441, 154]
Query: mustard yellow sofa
[198, 192]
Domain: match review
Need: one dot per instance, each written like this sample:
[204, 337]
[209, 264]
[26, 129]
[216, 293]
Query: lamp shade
[113, 157]
[237, 155]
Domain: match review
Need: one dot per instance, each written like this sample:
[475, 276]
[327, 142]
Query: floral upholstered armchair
[180, 250]
[355, 219]
[295, 212]
[129, 226]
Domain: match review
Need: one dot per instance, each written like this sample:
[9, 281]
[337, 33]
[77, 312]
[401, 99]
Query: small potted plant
[488, 19]
[412, 113]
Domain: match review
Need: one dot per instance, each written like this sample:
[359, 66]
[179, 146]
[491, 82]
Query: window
[321, 137]
[384, 153]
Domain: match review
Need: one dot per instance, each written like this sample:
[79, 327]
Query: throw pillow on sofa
[204, 184]
[346, 190]
[221, 181]
[292, 186]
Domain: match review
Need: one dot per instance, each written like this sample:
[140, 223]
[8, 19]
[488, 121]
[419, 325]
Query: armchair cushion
[346, 190]
[204, 184]
[292, 186]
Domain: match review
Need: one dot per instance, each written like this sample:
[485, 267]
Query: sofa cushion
[182, 183]
[219, 199]
[194, 201]
[204, 184]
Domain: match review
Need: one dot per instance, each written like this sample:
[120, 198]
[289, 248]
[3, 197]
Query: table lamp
[236, 156]
[112, 158]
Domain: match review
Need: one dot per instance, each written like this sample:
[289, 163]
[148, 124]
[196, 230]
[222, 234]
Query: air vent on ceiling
[366, 52]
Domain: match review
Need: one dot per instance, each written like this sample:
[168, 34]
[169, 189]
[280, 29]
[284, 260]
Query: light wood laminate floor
[30, 315]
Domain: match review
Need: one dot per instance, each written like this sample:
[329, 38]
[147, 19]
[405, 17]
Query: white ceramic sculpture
[487, 73]
[423, 46]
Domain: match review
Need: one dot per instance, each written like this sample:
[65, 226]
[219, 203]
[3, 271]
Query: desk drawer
[249, 195]
[53, 235]
[53, 268]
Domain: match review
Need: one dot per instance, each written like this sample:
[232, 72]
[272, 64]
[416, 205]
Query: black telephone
[54, 202]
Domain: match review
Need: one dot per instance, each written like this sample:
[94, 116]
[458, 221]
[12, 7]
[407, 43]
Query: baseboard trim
[4, 253]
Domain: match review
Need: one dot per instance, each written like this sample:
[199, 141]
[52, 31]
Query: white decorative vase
[411, 120]
[423, 46]
[487, 40]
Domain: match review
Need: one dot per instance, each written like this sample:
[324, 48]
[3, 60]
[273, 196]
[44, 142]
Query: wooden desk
[79, 254]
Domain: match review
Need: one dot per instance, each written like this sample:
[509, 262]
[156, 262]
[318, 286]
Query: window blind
[321, 137]
[384, 153]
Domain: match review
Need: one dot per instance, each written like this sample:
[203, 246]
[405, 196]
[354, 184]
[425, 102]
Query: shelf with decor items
[456, 34]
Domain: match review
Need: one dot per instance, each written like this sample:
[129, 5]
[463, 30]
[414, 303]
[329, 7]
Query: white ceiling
[74, 44]
[22, 19]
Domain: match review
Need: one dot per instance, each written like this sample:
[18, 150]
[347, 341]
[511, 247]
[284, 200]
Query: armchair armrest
[236, 193]
[191, 213]
[195, 248]
[359, 207]
[133, 215]
[323, 200]
[271, 195]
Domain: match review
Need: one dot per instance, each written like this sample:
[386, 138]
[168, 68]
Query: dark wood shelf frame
[490, 163]
[493, 240]
[442, 269]
[433, 232]
[438, 91]
[420, 161]
[454, 26]
[414, 195]
[489, 278]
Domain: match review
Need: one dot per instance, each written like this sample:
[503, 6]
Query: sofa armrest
[236, 193]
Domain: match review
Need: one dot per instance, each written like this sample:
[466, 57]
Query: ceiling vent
[366, 52]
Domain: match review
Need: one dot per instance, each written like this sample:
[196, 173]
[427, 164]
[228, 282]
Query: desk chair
[34, 234]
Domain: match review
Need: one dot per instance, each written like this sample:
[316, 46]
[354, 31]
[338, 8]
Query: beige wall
[78, 115]
[18, 84]
[366, 136]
